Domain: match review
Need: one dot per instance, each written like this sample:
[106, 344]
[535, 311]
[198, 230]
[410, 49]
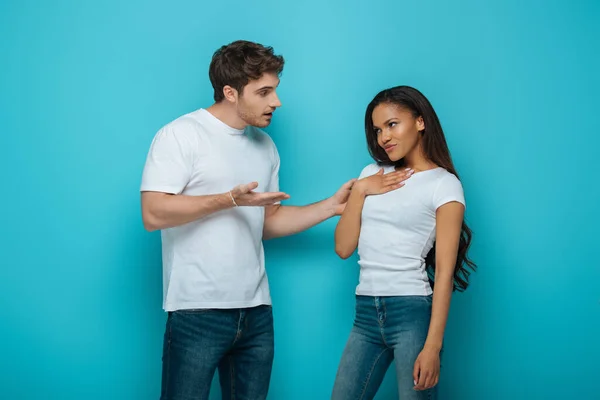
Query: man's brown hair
[238, 63]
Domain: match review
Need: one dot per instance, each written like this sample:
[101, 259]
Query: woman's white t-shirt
[398, 230]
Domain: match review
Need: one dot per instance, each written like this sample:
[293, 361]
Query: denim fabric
[237, 342]
[385, 329]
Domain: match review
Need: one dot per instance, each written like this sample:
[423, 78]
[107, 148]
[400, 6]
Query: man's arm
[288, 220]
[163, 210]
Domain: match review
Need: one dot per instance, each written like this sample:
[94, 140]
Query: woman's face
[398, 132]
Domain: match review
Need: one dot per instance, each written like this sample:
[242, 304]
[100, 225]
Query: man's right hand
[244, 195]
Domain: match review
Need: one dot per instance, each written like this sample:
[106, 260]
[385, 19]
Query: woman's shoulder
[372, 168]
[443, 175]
[447, 188]
[440, 171]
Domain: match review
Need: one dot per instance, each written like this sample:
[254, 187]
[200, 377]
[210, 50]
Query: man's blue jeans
[237, 342]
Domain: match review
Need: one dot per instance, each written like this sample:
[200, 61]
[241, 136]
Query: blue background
[85, 85]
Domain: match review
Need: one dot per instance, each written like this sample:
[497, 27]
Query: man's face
[258, 100]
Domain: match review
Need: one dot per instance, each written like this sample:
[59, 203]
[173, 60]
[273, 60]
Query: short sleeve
[449, 189]
[274, 181]
[170, 161]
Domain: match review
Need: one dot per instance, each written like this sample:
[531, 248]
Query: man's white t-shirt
[217, 261]
[398, 230]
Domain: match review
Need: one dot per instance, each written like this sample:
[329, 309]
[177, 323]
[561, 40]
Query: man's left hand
[340, 198]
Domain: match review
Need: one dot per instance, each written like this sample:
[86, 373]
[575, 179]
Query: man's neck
[227, 114]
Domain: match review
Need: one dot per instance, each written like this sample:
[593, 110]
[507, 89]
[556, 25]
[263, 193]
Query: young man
[211, 185]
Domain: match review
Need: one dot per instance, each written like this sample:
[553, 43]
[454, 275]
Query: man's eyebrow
[264, 88]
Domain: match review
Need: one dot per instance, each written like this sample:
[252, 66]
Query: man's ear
[230, 94]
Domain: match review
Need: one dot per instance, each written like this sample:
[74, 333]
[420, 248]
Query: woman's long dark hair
[436, 150]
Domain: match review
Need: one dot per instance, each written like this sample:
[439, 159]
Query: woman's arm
[348, 227]
[449, 218]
